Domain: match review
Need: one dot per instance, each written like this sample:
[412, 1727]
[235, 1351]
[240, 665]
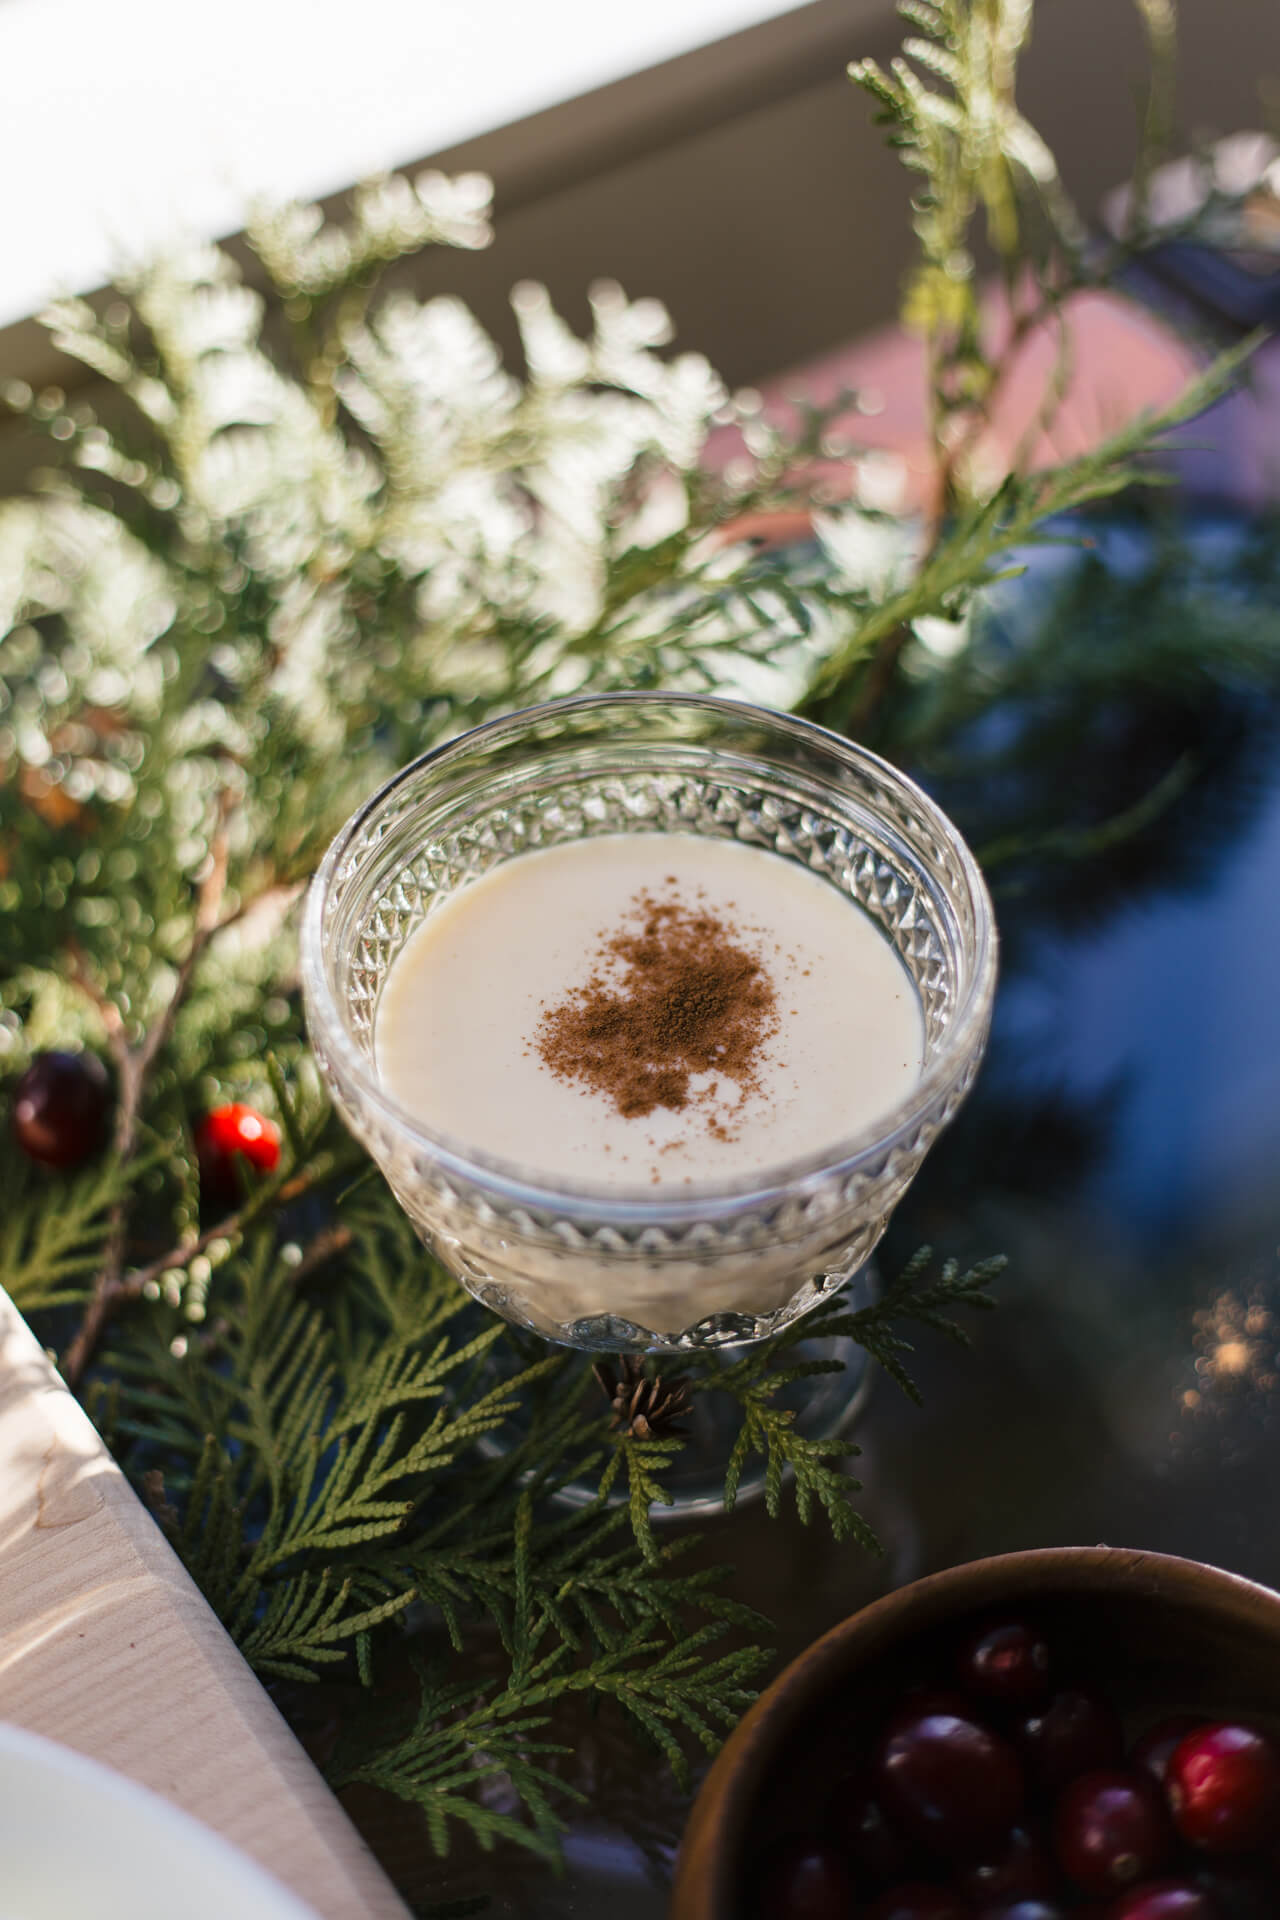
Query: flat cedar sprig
[671, 1693]
[754, 1382]
[49, 1255]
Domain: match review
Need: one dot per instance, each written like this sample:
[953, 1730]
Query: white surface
[125, 122]
[77, 1839]
[459, 1015]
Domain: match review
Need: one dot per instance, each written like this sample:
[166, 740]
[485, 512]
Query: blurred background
[708, 152]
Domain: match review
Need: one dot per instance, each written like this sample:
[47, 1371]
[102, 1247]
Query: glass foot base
[825, 1406]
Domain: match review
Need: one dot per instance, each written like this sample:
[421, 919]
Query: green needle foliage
[314, 1447]
[988, 177]
[48, 1255]
[292, 538]
[757, 1379]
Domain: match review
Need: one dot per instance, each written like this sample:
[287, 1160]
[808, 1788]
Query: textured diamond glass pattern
[611, 1268]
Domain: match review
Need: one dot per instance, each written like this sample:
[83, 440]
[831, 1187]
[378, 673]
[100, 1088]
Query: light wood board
[107, 1645]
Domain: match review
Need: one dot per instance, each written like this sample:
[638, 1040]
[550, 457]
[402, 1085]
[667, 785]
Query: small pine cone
[647, 1408]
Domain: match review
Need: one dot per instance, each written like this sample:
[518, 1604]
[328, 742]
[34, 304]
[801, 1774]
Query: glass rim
[520, 1186]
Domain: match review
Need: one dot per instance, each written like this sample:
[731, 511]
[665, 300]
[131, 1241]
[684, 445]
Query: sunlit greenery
[314, 530]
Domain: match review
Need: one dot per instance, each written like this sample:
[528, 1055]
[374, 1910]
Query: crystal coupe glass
[612, 1268]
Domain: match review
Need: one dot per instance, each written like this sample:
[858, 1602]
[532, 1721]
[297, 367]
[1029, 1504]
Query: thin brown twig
[1049, 413]
[132, 1066]
[207, 923]
[108, 1012]
[876, 680]
[953, 458]
[130, 1286]
[113, 1287]
[327, 1245]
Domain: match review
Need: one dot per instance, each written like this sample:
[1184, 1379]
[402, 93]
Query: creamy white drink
[650, 1011]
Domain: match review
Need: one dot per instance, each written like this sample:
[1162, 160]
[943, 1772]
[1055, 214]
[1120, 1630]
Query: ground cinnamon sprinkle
[674, 995]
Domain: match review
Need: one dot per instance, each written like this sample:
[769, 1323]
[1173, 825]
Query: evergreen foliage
[321, 530]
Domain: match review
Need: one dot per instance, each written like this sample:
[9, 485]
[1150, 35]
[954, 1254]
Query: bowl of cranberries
[1070, 1731]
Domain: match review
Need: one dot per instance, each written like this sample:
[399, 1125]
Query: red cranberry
[1006, 1663]
[1111, 1829]
[805, 1880]
[1154, 1750]
[859, 1825]
[951, 1784]
[1076, 1733]
[1163, 1900]
[914, 1900]
[60, 1108]
[230, 1134]
[1223, 1784]
[1020, 1870]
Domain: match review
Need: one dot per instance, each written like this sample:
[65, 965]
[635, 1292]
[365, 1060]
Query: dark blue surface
[1122, 1146]
[1141, 986]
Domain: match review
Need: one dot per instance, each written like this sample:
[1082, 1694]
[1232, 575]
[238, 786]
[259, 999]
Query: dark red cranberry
[1223, 1784]
[1163, 1900]
[1076, 1733]
[1023, 1868]
[914, 1900]
[1111, 1830]
[1154, 1750]
[860, 1827]
[60, 1108]
[1007, 1664]
[951, 1784]
[804, 1880]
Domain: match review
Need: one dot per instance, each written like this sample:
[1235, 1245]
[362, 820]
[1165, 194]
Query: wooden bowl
[1159, 1635]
